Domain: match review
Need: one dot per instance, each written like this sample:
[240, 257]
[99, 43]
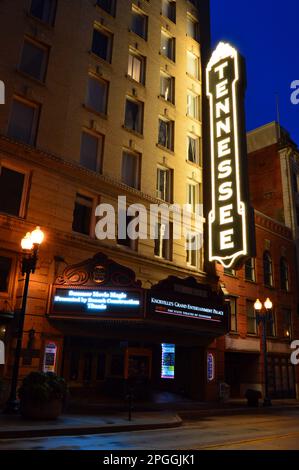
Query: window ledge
[165, 149]
[137, 35]
[193, 78]
[171, 61]
[99, 59]
[252, 335]
[166, 101]
[101, 10]
[196, 120]
[136, 133]
[97, 113]
[134, 81]
[49, 26]
[30, 77]
[196, 165]
[167, 18]
[251, 282]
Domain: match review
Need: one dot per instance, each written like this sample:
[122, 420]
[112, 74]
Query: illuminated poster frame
[230, 218]
[168, 361]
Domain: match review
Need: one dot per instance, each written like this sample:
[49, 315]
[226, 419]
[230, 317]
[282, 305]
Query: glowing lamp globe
[258, 305]
[27, 242]
[268, 304]
[37, 236]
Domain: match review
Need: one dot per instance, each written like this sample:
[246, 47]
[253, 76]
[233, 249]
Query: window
[82, 214]
[12, 184]
[268, 269]
[233, 314]
[126, 240]
[284, 274]
[251, 317]
[270, 324]
[166, 133]
[193, 149]
[164, 184]
[297, 214]
[295, 182]
[97, 95]
[107, 5]
[169, 9]
[34, 59]
[134, 115]
[192, 28]
[131, 169]
[193, 65]
[23, 121]
[168, 46]
[167, 87]
[229, 272]
[193, 196]
[192, 105]
[136, 67]
[91, 151]
[250, 270]
[139, 23]
[102, 44]
[44, 10]
[163, 240]
[192, 249]
[5, 270]
[287, 323]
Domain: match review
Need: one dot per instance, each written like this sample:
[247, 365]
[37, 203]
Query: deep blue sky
[266, 32]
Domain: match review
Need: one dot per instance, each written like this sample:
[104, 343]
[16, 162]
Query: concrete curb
[78, 430]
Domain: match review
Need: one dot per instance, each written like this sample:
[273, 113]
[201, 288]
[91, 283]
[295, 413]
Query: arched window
[284, 274]
[268, 269]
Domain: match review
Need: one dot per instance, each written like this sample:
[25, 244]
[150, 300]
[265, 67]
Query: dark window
[102, 44]
[139, 24]
[192, 28]
[101, 366]
[91, 151]
[169, 9]
[193, 149]
[23, 122]
[168, 46]
[125, 239]
[97, 95]
[268, 269]
[5, 269]
[34, 60]
[107, 5]
[284, 274]
[87, 367]
[250, 270]
[295, 182]
[229, 271]
[82, 214]
[287, 323]
[251, 317]
[134, 115]
[165, 137]
[270, 323]
[11, 191]
[74, 365]
[44, 10]
[131, 169]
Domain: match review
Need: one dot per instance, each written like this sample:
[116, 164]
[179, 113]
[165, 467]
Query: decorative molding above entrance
[98, 271]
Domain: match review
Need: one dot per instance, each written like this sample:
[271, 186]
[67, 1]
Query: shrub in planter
[253, 397]
[42, 395]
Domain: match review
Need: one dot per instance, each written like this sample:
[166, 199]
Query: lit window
[134, 115]
[44, 10]
[131, 169]
[192, 28]
[193, 149]
[251, 317]
[169, 9]
[192, 65]
[163, 240]
[233, 314]
[102, 44]
[192, 105]
[12, 183]
[193, 196]
[168, 46]
[82, 214]
[136, 67]
[91, 151]
[167, 87]
[139, 23]
[192, 249]
[23, 121]
[5, 270]
[97, 95]
[164, 184]
[166, 133]
[34, 59]
[287, 323]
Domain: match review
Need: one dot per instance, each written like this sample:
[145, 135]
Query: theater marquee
[230, 218]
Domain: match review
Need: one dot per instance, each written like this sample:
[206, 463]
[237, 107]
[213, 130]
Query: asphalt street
[269, 431]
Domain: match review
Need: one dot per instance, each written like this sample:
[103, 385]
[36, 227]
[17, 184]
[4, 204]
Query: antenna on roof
[278, 115]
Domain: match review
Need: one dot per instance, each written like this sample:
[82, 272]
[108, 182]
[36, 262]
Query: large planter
[50, 410]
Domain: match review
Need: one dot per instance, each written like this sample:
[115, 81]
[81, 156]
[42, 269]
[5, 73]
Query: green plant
[42, 387]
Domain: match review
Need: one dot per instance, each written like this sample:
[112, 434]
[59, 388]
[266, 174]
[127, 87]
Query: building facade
[105, 104]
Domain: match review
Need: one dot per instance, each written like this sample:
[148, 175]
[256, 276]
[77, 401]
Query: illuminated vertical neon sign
[229, 216]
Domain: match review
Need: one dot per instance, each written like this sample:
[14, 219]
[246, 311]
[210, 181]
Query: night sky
[266, 32]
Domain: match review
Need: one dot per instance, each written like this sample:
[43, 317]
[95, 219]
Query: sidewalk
[14, 426]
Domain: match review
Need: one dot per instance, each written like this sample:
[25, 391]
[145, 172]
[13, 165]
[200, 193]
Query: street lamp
[263, 318]
[30, 245]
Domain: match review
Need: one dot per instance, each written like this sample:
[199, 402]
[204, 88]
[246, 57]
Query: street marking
[246, 441]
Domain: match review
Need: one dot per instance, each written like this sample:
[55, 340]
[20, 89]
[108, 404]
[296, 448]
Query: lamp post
[263, 318]
[30, 245]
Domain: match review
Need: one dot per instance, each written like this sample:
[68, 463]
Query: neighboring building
[104, 104]
[271, 274]
[273, 162]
